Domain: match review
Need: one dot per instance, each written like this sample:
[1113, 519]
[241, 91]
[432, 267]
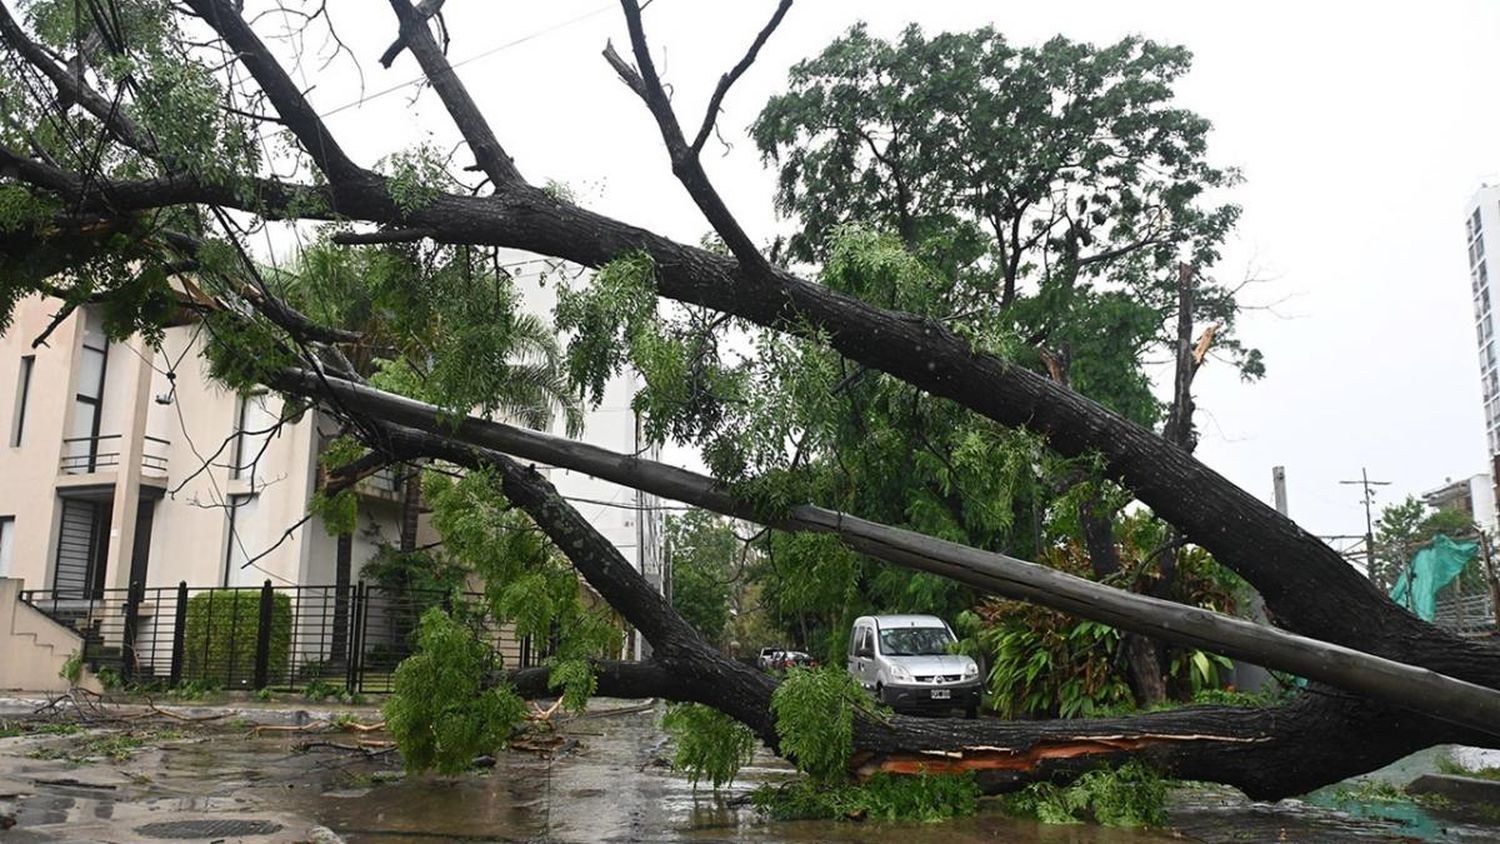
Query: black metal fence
[288, 638]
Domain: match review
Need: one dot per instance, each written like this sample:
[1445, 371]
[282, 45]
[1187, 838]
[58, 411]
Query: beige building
[126, 466]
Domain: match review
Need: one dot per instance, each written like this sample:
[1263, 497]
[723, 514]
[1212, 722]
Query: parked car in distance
[904, 660]
[768, 657]
[787, 659]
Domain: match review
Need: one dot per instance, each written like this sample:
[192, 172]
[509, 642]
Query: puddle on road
[610, 787]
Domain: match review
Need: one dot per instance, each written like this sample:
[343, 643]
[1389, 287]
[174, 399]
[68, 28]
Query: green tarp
[1433, 567]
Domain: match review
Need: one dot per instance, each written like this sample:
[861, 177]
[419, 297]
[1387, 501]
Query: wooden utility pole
[1369, 499]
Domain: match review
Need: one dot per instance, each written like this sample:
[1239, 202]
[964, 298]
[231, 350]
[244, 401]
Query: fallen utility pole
[1420, 689]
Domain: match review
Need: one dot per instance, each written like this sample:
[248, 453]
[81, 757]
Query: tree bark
[1272, 752]
[1458, 701]
[1142, 662]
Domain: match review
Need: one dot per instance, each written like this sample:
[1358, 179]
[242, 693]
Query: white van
[904, 661]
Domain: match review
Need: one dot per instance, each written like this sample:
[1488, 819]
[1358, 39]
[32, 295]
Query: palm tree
[441, 324]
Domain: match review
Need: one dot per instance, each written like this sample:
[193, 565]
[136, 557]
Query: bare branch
[712, 114]
[296, 112]
[685, 164]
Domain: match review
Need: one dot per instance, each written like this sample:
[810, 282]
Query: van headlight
[971, 670]
[900, 674]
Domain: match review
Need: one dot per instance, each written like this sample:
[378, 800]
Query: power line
[474, 58]
[1369, 499]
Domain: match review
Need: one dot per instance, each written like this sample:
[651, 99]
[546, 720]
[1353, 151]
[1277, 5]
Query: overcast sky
[1362, 129]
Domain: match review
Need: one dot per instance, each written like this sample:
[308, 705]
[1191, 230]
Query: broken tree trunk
[1267, 752]
[1456, 701]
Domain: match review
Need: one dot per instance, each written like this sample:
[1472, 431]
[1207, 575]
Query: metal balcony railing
[83, 455]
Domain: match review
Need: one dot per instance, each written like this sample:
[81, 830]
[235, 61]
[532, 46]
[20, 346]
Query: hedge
[223, 627]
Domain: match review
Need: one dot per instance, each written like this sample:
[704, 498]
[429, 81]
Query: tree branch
[296, 112]
[70, 86]
[488, 153]
[711, 115]
[425, 432]
[685, 164]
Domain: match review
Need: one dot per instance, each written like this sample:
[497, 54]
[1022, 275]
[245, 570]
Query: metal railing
[287, 638]
[1473, 613]
[82, 455]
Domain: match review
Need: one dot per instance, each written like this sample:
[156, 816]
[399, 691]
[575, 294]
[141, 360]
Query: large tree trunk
[1319, 737]
[1142, 663]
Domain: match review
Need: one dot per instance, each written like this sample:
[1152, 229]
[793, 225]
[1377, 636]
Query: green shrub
[72, 668]
[222, 630]
[1134, 794]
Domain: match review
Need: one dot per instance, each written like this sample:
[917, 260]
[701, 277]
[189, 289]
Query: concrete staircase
[33, 647]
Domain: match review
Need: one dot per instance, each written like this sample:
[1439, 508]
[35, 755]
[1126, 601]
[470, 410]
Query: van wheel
[880, 693]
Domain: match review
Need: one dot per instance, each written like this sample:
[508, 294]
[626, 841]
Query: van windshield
[915, 641]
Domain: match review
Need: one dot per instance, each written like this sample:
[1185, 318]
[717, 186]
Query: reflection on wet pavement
[610, 786]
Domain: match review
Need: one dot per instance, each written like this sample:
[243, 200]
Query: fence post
[263, 635]
[179, 632]
[132, 618]
[354, 645]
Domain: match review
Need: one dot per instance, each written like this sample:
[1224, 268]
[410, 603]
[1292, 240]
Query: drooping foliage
[528, 584]
[710, 744]
[443, 711]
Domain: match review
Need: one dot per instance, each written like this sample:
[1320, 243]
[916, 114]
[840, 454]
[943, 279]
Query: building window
[7, 545]
[81, 449]
[239, 552]
[254, 423]
[23, 390]
[1474, 225]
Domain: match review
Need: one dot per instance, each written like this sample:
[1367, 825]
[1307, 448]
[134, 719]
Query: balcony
[87, 455]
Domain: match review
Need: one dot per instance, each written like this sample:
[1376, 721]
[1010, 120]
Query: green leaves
[527, 582]
[1132, 795]
[441, 324]
[710, 744]
[882, 797]
[814, 711]
[701, 551]
[605, 318]
[441, 714]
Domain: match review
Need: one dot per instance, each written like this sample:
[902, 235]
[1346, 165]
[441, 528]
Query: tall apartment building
[126, 465]
[1482, 230]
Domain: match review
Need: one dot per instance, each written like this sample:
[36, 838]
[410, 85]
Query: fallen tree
[1319, 737]
[1464, 704]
